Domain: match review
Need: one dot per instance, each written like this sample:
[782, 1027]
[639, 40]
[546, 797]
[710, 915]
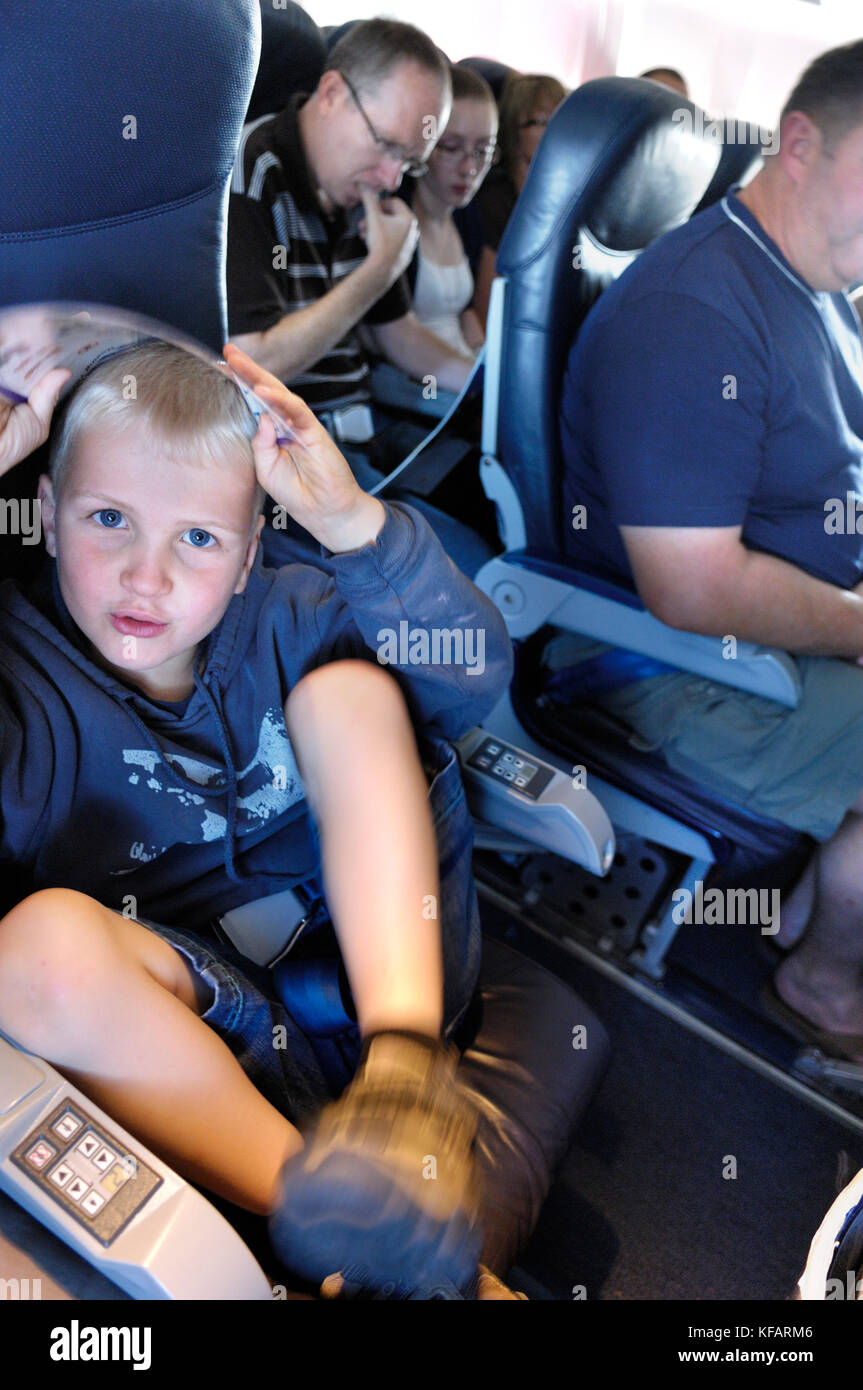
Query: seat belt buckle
[266, 929]
[353, 424]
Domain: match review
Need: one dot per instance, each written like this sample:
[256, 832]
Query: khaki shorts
[802, 767]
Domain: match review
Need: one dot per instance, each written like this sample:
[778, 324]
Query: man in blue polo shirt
[713, 428]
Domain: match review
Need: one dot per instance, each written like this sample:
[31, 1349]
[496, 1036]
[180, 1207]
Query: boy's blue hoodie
[195, 812]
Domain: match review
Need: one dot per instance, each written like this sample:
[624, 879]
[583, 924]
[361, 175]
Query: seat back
[293, 52]
[613, 172]
[495, 73]
[333, 32]
[117, 137]
[116, 151]
[739, 161]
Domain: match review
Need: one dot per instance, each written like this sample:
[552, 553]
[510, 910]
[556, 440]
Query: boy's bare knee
[38, 924]
[54, 958]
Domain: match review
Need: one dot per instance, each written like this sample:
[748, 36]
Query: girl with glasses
[443, 286]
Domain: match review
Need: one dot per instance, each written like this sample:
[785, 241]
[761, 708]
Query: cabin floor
[695, 1174]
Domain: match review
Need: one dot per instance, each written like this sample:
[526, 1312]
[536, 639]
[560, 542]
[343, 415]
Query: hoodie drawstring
[232, 868]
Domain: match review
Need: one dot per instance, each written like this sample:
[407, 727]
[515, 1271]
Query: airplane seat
[149, 236]
[293, 53]
[739, 161]
[111, 177]
[495, 73]
[100, 176]
[612, 173]
[615, 170]
[334, 32]
[740, 840]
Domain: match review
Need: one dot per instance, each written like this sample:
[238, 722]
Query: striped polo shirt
[285, 253]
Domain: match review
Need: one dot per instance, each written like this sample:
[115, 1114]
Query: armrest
[532, 799]
[142, 1226]
[531, 590]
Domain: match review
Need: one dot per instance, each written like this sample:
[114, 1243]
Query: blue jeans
[296, 1072]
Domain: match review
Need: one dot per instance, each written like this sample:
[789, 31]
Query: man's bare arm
[704, 579]
[411, 347]
[302, 338]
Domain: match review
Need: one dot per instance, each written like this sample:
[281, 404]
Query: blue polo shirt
[711, 386]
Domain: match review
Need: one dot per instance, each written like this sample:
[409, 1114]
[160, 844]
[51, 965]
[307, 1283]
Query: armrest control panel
[519, 792]
[510, 766]
[109, 1197]
[88, 1172]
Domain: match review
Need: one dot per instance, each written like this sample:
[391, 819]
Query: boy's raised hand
[25, 425]
[309, 476]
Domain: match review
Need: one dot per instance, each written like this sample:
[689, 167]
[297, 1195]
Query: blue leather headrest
[118, 129]
[738, 162]
[615, 169]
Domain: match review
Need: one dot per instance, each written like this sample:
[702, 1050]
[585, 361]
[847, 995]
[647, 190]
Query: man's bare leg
[358, 757]
[822, 979]
[797, 911]
[115, 1008]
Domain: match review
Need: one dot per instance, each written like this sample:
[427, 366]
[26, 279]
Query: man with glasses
[316, 252]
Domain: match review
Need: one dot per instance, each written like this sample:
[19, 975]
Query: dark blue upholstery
[495, 73]
[87, 214]
[737, 163]
[334, 32]
[293, 52]
[612, 172]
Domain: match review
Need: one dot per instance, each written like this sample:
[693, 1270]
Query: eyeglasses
[408, 162]
[480, 154]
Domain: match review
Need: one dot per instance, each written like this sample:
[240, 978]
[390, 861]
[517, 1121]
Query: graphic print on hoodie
[266, 787]
[198, 807]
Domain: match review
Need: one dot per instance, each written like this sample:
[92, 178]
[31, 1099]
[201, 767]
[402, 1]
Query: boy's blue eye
[109, 517]
[199, 538]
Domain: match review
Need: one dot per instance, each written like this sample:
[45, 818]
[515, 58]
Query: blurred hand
[24, 426]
